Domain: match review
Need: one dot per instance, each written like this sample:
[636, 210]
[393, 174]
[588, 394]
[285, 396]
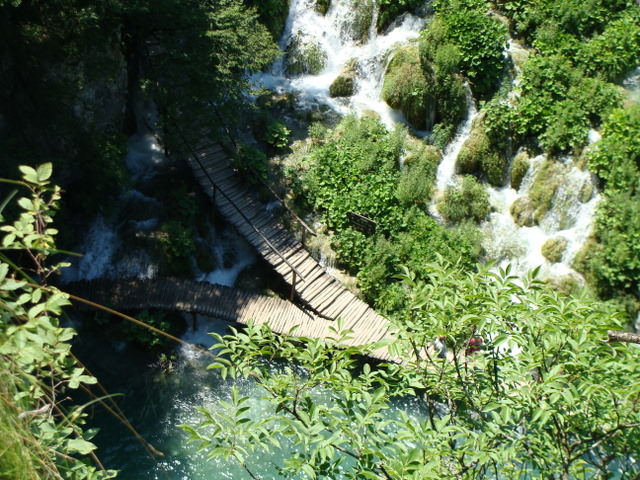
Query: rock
[554, 248]
[519, 169]
[523, 212]
[344, 84]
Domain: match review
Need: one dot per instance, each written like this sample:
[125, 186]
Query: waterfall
[570, 218]
[447, 168]
[334, 34]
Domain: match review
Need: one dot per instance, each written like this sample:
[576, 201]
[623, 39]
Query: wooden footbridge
[313, 288]
[217, 301]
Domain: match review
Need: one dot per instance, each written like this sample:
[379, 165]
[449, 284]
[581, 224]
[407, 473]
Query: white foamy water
[144, 156]
[445, 175]
[334, 34]
[569, 218]
[239, 250]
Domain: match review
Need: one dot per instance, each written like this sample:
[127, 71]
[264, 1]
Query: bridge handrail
[239, 210]
[257, 176]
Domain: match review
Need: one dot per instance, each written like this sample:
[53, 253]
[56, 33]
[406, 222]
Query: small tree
[521, 386]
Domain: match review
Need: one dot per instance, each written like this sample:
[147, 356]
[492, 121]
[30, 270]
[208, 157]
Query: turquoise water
[157, 400]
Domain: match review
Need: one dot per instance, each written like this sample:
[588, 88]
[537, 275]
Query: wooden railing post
[293, 286]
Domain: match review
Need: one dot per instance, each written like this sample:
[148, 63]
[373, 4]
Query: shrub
[416, 180]
[479, 39]
[554, 248]
[277, 135]
[305, 56]
[612, 53]
[519, 169]
[252, 162]
[616, 158]
[273, 14]
[406, 88]
[469, 201]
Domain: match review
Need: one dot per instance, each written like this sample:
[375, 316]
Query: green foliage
[305, 56]
[540, 387]
[469, 201]
[415, 185]
[406, 88]
[463, 36]
[273, 14]
[612, 53]
[253, 162]
[616, 158]
[390, 9]
[332, 184]
[42, 435]
[613, 261]
[277, 135]
[146, 338]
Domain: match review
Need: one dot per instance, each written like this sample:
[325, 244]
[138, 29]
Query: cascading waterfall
[334, 34]
[570, 219]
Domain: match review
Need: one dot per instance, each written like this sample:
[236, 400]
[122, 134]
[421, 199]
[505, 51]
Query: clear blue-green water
[157, 400]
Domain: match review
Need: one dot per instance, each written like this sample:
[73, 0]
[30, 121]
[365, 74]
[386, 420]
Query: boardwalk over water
[212, 300]
[315, 289]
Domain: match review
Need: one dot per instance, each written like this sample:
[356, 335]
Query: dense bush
[406, 88]
[614, 261]
[415, 185]
[616, 158]
[468, 201]
[464, 37]
[273, 14]
[332, 185]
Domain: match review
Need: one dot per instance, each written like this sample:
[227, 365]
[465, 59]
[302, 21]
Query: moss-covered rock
[305, 57]
[523, 212]
[554, 248]
[519, 169]
[478, 157]
[586, 192]
[545, 186]
[322, 6]
[406, 88]
[363, 17]
[344, 84]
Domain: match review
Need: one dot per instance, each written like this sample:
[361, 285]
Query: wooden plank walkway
[217, 301]
[315, 288]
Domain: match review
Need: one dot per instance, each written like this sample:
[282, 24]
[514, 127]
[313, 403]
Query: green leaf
[29, 174]
[78, 445]
[44, 172]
